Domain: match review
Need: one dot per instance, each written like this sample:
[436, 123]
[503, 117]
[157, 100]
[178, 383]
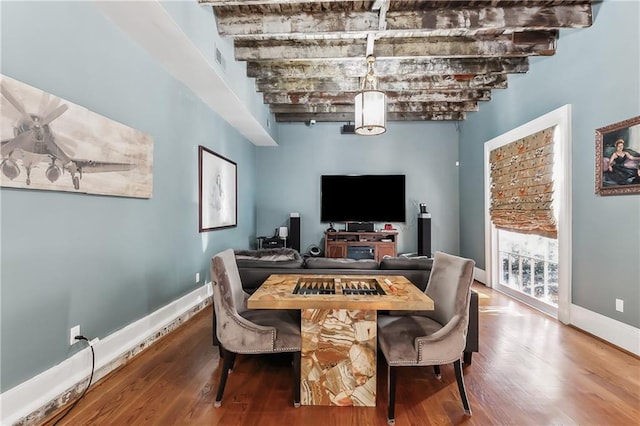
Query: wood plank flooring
[531, 370]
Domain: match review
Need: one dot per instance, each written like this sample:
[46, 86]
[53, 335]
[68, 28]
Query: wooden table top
[277, 293]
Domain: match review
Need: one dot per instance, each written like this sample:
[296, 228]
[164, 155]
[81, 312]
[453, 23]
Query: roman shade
[522, 185]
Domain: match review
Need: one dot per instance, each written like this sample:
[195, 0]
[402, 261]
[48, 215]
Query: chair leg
[296, 379]
[467, 358]
[216, 342]
[233, 361]
[436, 371]
[391, 390]
[229, 357]
[457, 366]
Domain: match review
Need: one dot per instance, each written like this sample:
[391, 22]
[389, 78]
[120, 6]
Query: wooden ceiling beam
[516, 17]
[297, 23]
[258, 50]
[217, 3]
[392, 107]
[392, 116]
[352, 84]
[392, 97]
[540, 43]
[401, 67]
[325, 117]
[485, 47]
[427, 116]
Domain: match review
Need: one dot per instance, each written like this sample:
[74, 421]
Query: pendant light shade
[371, 112]
[370, 106]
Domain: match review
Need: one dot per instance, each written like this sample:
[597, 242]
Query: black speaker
[424, 234]
[294, 231]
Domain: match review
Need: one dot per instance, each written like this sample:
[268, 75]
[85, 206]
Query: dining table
[338, 329]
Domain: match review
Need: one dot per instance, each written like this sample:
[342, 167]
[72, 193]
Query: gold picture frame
[618, 158]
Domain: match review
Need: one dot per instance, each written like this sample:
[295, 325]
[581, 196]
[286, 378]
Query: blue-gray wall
[199, 24]
[104, 262]
[289, 176]
[597, 71]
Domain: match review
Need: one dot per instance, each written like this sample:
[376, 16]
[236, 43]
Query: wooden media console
[383, 243]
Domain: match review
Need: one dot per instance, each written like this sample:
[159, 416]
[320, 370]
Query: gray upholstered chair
[431, 338]
[248, 331]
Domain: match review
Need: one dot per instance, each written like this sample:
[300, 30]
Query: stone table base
[338, 357]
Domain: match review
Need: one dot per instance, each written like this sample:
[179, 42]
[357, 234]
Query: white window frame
[561, 118]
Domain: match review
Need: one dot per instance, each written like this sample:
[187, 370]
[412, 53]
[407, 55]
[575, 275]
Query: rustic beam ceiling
[435, 59]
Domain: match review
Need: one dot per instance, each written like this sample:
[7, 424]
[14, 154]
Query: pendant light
[370, 105]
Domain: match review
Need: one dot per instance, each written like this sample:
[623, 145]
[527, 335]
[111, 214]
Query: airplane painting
[52, 144]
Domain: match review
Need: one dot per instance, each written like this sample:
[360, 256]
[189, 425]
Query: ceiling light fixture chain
[370, 81]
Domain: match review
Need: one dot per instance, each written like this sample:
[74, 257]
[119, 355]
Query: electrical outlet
[197, 277]
[619, 305]
[75, 331]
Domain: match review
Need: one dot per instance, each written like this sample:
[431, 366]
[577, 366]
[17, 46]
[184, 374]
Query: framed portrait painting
[218, 185]
[618, 158]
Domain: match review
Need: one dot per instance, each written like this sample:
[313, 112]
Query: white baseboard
[480, 275]
[613, 331]
[29, 402]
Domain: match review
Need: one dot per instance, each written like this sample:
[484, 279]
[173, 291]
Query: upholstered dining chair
[248, 331]
[431, 338]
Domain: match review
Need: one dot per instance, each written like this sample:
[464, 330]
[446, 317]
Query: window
[533, 265]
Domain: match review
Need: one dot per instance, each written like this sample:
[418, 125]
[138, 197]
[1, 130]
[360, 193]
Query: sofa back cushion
[421, 262]
[341, 263]
[269, 258]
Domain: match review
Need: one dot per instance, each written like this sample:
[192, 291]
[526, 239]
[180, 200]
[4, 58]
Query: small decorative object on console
[314, 251]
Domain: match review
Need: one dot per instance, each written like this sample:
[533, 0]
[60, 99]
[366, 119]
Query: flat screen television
[362, 198]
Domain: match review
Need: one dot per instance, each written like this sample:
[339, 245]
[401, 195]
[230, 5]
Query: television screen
[362, 198]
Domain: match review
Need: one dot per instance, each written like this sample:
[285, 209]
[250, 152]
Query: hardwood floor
[531, 370]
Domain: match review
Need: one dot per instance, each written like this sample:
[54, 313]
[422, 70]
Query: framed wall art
[218, 185]
[618, 158]
[49, 143]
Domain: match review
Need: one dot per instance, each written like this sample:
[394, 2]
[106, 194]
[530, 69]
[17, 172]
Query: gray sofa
[255, 266]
